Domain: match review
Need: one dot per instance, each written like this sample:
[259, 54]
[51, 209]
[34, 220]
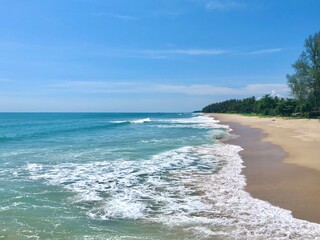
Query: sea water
[129, 176]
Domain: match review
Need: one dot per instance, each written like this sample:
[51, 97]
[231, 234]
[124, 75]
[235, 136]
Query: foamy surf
[206, 198]
[244, 216]
[136, 121]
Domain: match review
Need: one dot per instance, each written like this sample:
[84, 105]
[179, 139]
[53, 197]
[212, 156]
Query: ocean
[129, 176]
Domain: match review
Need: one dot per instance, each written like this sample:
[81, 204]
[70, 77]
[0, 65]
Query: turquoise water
[128, 176]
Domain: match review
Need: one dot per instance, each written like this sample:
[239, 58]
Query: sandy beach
[282, 161]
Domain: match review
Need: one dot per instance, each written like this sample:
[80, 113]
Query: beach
[281, 159]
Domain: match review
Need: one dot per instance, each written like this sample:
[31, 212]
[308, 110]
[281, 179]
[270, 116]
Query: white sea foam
[197, 121]
[141, 120]
[179, 189]
[196, 189]
[234, 209]
[151, 141]
[135, 189]
[136, 121]
[119, 121]
[182, 126]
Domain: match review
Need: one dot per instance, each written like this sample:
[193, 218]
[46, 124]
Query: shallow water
[129, 176]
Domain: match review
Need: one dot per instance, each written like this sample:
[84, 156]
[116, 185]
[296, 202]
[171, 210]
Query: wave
[195, 189]
[136, 189]
[143, 120]
[244, 216]
[197, 121]
[67, 129]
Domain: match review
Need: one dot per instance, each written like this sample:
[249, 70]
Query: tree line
[267, 105]
[304, 86]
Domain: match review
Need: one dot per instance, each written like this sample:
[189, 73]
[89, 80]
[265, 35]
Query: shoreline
[280, 161]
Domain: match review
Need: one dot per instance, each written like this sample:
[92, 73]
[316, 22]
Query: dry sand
[282, 161]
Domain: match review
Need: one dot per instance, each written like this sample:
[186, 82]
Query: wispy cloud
[193, 52]
[145, 15]
[187, 52]
[118, 16]
[205, 89]
[92, 85]
[166, 53]
[224, 5]
[144, 87]
[266, 51]
[162, 53]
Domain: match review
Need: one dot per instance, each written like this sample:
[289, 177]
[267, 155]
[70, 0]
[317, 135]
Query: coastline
[280, 158]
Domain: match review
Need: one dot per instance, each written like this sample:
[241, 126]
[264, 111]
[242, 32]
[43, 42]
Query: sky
[147, 55]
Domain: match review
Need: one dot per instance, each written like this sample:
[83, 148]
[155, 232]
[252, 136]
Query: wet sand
[278, 171]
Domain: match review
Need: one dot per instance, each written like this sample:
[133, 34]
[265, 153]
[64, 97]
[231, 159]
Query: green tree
[266, 105]
[286, 107]
[305, 82]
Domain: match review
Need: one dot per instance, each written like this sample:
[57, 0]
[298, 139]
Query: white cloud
[124, 17]
[193, 52]
[167, 53]
[274, 93]
[148, 96]
[258, 89]
[89, 84]
[95, 86]
[224, 5]
[144, 87]
[162, 53]
[195, 89]
[198, 51]
[266, 51]
[204, 89]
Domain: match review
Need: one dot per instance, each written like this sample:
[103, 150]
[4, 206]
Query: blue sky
[147, 55]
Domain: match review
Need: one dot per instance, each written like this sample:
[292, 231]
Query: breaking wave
[199, 189]
[144, 120]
